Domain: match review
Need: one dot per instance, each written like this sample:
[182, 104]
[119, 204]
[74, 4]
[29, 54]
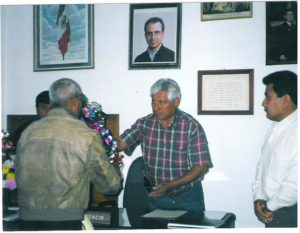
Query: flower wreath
[95, 118]
[8, 162]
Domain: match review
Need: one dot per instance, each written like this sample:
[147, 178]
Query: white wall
[234, 141]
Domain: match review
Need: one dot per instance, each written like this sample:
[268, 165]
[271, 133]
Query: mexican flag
[64, 30]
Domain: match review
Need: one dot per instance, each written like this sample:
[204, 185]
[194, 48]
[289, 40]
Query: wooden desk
[193, 219]
[206, 219]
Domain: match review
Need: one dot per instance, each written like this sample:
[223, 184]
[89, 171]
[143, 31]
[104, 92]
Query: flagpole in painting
[64, 30]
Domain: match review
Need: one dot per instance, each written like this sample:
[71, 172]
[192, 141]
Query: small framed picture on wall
[281, 29]
[225, 10]
[155, 35]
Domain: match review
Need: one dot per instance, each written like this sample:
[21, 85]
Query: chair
[135, 197]
[136, 204]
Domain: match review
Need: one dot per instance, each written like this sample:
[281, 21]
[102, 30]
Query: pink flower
[10, 184]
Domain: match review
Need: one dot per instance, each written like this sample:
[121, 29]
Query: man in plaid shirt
[175, 150]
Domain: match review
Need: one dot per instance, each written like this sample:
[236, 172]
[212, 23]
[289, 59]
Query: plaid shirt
[169, 153]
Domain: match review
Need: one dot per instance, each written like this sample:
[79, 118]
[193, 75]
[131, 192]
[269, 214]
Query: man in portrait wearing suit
[156, 52]
[287, 38]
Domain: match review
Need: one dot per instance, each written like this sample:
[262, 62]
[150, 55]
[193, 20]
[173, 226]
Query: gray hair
[168, 85]
[63, 90]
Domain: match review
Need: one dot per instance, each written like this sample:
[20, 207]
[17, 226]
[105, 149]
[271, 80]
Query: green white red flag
[64, 29]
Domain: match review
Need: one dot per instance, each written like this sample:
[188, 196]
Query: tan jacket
[57, 158]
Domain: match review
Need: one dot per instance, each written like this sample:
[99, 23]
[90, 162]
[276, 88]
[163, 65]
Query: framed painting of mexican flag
[63, 37]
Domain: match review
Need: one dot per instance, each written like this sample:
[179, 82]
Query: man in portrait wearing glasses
[156, 52]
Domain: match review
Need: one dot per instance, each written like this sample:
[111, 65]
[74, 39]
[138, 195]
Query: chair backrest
[135, 196]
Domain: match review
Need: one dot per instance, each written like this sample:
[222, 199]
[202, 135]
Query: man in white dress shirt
[275, 186]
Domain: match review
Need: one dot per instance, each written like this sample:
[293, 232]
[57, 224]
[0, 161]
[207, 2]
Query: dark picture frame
[63, 37]
[170, 13]
[225, 92]
[281, 40]
[225, 10]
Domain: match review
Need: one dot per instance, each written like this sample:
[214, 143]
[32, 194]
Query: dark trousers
[48, 226]
[192, 199]
[284, 217]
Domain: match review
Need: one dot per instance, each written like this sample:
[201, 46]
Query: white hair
[168, 85]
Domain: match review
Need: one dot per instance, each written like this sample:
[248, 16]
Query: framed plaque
[225, 92]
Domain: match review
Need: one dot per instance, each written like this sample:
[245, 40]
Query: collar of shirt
[71, 113]
[175, 120]
[67, 110]
[278, 126]
[152, 54]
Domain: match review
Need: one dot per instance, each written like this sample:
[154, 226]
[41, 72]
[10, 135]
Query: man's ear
[286, 100]
[177, 102]
[74, 105]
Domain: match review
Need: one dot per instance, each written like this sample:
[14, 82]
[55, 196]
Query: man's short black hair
[43, 98]
[284, 83]
[155, 20]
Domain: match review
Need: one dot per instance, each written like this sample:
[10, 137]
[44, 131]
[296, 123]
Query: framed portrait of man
[281, 32]
[155, 34]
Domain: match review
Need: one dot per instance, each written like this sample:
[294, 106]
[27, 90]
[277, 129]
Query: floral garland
[8, 162]
[95, 118]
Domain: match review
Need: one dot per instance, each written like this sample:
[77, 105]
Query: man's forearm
[193, 174]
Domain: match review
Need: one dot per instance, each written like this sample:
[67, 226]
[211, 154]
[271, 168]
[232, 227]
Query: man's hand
[262, 213]
[121, 144]
[160, 190]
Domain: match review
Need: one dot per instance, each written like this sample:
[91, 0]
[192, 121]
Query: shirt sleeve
[198, 149]
[103, 174]
[256, 187]
[286, 165]
[132, 137]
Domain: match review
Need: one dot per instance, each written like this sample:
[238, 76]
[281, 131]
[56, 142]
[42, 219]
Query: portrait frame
[225, 92]
[170, 13]
[63, 48]
[275, 34]
[225, 10]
